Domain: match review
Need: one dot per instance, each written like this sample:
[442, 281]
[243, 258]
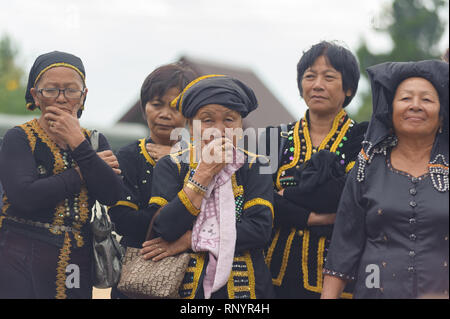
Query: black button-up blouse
[391, 235]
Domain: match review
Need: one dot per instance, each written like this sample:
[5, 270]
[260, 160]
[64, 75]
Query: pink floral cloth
[214, 230]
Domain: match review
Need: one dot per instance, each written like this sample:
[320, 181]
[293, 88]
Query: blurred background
[258, 41]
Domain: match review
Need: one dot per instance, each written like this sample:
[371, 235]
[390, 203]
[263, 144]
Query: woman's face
[322, 88]
[218, 120]
[59, 78]
[161, 118]
[416, 108]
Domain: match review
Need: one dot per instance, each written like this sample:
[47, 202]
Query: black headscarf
[215, 89]
[50, 60]
[385, 78]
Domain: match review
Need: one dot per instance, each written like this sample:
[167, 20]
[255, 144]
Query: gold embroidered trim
[284, 262]
[63, 262]
[341, 135]
[249, 273]
[197, 270]
[158, 201]
[27, 127]
[295, 159]
[188, 204]
[259, 201]
[181, 95]
[268, 258]
[334, 128]
[238, 190]
[127, 203]
[349, 166]
[145, 153]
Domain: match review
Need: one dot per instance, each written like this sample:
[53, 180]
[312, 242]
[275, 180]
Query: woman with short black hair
[315, 155]
[137, 160]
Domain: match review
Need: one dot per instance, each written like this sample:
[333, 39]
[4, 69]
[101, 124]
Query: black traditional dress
[44, 223]
[250, 277]
[129, 214]
[297, 251]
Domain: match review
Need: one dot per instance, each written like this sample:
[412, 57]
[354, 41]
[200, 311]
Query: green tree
[415, 29]
[12, 80]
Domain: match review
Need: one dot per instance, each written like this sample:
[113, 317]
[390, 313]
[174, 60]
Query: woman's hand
[321, 219]
[215, 155]
[64, 124]
[109, 158]
[157, 249]
[157, 151]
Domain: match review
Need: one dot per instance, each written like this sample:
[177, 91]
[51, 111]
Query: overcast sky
[120, 42]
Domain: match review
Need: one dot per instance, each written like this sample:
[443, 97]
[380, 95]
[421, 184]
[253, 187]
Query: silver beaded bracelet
[203, 188]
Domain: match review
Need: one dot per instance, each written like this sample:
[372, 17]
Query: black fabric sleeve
[254, 229]
[174, 218]
[103, 184]
[349, 236]
[19, 176]
[130, 217]
[324, 199]
[288, 214]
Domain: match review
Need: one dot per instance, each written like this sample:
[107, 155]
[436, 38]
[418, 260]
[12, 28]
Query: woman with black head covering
[213, 194]
[138, 159]
[315, 153]
[51, 178]
[391, 231]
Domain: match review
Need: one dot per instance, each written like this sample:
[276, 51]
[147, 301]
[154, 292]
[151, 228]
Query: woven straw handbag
[147, 279]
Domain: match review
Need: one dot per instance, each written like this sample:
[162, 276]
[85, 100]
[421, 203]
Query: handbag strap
[150, 234]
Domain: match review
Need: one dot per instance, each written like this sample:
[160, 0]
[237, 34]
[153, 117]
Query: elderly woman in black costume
[217, 200]
[138, 159]
[314, 155]
[391, 231]
[51, 178]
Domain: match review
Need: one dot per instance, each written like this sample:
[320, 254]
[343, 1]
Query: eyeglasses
[70, 94]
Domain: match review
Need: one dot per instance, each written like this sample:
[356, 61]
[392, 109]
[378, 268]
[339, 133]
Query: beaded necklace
[299, 148]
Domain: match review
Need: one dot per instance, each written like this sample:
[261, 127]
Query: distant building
[269, 112]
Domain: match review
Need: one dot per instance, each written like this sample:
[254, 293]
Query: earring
[440, 129]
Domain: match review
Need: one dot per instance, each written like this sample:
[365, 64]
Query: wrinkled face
[161, 118]
[322, 87]
[416, 108]
[59, 78]
[218, 119]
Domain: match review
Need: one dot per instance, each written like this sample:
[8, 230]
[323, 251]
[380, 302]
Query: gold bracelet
[195, 188]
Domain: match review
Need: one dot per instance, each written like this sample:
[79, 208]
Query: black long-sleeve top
[297, 251]
[130, 215]
[42, 185]
[250, 277]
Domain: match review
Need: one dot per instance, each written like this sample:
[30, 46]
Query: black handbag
[107, 252]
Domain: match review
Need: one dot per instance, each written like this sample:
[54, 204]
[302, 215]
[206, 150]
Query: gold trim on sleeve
[259, 201]
[188, 204]
[126, 203]
[158, 201]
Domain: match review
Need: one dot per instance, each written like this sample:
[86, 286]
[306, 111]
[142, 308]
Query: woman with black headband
[51, 178]
[212, 195]
[391, 231]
